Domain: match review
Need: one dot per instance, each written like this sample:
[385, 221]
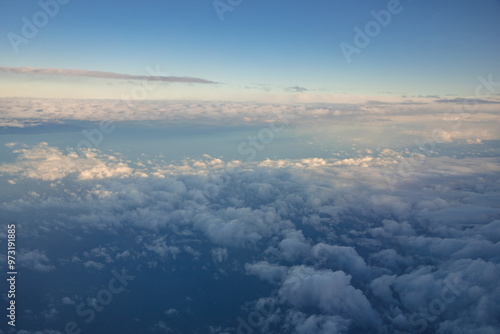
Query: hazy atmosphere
[236, 166]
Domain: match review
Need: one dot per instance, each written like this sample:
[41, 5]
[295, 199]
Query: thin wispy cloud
[99, 74]
[467, 101]
[296, 89]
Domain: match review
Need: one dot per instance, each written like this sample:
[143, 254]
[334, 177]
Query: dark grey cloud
[382, 103]
[411, 102]
[470, 101]
[99, 74]
[296, 89]
[376, 103]
[429, 96]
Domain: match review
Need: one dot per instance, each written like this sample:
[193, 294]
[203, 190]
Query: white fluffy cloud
[294, 246]
[35, 260]
[329, 291]
[48, 163]
[342, 248]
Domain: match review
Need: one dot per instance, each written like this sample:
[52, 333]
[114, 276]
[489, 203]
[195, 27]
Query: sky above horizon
[260, 51]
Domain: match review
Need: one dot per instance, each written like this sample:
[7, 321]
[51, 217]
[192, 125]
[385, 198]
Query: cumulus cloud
[264, 270]
[161, 248]
[35, 260]
[93, 265]
[341, 258]
[171, 312]
[219, 255]
[330, 291]
[294, 246]
[343, 251]
[48, 163]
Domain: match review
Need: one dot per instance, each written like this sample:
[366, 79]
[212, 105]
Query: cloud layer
[443, 122]
[342, 252]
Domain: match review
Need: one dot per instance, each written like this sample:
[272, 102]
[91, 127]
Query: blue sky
[259, 49]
